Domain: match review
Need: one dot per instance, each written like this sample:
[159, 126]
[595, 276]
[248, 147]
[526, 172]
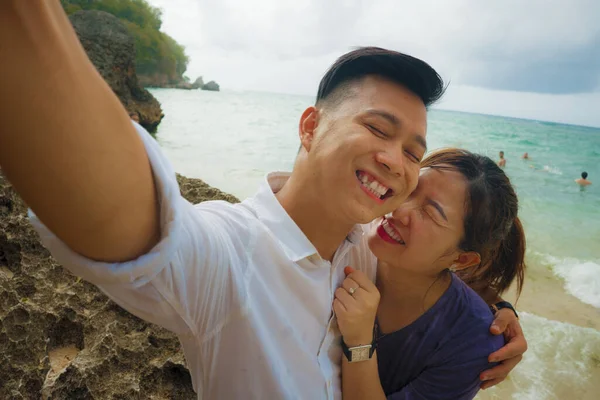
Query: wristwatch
[503, 304]
[359, 353]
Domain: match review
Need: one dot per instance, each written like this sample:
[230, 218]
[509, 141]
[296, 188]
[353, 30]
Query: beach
[232, 139]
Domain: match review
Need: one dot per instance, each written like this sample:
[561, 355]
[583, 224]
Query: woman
[431, 330]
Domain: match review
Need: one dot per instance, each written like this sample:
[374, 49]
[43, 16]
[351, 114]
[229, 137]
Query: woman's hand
[355, 306]
[511, 354]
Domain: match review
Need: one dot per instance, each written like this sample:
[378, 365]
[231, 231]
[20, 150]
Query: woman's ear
[308, 124]
[466, 260]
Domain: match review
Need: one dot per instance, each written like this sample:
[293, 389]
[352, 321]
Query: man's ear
[308, 124]
[466, 260]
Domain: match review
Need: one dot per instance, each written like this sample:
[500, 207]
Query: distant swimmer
[583, 181]
[502, 161]
[525, 156]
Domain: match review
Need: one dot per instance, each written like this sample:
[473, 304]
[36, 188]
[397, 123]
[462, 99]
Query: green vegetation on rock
[157, 54]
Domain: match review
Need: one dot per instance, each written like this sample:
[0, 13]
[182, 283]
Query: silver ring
[351, 290]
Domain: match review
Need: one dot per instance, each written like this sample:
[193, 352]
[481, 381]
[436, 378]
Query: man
[525, 156]
[248, 288]
[502, 161]
[583, 181]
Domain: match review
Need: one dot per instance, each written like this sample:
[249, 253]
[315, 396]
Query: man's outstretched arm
[66, 143]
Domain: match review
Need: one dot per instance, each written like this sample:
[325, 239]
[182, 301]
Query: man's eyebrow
[391, 118]
[438, 207]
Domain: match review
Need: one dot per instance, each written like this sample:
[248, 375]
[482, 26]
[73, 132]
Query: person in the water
[583, 181]
[502, 160]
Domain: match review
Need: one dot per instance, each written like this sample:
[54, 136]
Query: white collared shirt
[242, 287]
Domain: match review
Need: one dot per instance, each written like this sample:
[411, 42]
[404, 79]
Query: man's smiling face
[364, 150]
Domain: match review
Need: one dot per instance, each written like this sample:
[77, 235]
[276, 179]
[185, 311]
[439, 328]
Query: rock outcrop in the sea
[111, 48]
[165, 82]
[61, 338]
[198, 83]
[212, 85]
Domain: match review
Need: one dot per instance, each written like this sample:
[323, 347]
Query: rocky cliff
[61, 338]
[111, 48]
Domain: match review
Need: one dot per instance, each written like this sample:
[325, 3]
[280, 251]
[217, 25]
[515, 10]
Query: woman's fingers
[362, 280]
[350, 285]
[361, 295]
[338, 307]
[345, 298]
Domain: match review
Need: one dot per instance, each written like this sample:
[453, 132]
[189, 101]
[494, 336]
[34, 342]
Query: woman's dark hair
[491, 225]
[410, 72]
[584, 175]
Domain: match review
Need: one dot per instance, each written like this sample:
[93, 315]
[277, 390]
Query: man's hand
[510, 355]
[355, 307]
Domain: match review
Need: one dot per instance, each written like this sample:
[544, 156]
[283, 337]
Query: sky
[537, 59]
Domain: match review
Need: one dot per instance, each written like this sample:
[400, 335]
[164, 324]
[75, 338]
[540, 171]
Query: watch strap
[503, 304]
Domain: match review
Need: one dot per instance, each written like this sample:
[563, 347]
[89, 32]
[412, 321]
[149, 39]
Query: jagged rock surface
[111, 48]
[61, 338]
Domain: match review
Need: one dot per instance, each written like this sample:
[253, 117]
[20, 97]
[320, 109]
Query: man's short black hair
[584, 175]
[414, 74]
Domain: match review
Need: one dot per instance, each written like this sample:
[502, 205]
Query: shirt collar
[296, 245]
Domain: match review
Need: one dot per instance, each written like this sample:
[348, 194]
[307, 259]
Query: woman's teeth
[391, 231]
[369, 183]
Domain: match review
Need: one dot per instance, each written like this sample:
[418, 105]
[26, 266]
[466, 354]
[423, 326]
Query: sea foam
[582, 278]
[562, 362]
[552, 169]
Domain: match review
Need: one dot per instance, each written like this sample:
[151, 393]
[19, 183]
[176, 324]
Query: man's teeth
[392, 232]
[372, 185]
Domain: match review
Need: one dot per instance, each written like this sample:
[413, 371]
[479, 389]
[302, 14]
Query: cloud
[550, 47]
[544, 46]
[535, 46]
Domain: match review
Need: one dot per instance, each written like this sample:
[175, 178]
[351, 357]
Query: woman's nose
[402, 214]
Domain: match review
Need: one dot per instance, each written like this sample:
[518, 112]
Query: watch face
[360, 353]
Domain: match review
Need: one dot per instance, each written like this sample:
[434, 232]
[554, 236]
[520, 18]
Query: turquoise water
[561, 220]
[556, 213]
[231, 140]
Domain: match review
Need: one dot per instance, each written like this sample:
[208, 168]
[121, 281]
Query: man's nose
[391, 159]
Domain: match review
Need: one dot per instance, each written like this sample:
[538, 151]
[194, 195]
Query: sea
[232, 139]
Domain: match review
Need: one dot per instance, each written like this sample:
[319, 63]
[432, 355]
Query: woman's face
[423, 234]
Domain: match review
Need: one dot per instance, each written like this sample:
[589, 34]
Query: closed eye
[438, 209]
[413, 157]
[434, 215]
[376, 130]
